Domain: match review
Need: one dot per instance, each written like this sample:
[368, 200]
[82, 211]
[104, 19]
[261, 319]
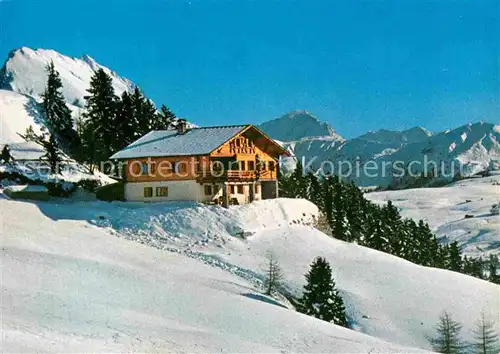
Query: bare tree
[49, 144]
[486, 335]
[447, 340]
[274, 274]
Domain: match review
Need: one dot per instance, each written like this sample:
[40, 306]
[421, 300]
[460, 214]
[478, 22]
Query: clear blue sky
[360, 65]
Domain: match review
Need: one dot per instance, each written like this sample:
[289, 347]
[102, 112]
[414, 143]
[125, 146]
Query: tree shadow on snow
[263, 298]
[34, 110]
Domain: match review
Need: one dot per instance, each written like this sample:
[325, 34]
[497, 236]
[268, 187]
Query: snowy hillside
[475, 147]
[445, 209]
[385, 296]
[24, 72]
[17, 112]
[69, 286]
[297, 125]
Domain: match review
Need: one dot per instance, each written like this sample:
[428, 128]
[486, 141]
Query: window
[148, 192]
[232, 189]
[256, 189]
[271, 165]
[162, 191]
[234, 165]
[251, 165]
[240, 189]
[243, 165]
[208, 189]
[144, 168]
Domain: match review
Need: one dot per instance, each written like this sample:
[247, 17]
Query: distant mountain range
[475, 146]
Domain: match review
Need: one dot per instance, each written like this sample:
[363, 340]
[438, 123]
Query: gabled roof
[196, 141]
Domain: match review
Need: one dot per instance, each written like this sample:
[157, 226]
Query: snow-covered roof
[196, 141]
[25, 150]
[26, 188]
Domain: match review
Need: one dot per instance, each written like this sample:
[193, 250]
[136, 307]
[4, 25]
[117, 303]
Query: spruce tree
[100, 134]
[143, 112]
[375, 236]
[493, 269]
[165, 119]
[328, 200]
[5, 155]
[339, 220]
[413, 245]
[355, 209]
[320, 298]
[393, 229]
[56, 113]
[455, 257]
[477, 267]
[149, 118]
[487, 339]
[313, 192]
[124, 123]
[447, 340]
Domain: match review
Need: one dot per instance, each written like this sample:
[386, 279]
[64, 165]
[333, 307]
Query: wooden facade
[242, 163]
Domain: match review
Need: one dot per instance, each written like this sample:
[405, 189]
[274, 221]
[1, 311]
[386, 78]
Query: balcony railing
[236, 175]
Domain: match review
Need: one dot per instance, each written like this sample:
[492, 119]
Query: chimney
[181, 126]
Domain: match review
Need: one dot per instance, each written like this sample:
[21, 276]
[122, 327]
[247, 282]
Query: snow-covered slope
[445, 209]
[385, 296]
[23, 79]
[69, 286]
[17, 112]
[297, 125]
[24, 72]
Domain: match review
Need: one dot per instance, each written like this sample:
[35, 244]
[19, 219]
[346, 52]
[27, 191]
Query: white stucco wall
[177, 190]
[185, 190]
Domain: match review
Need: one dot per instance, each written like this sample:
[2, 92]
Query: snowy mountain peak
[408, 136]
[297, 125]
[24, 72]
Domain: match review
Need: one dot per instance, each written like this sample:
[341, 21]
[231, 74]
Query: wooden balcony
[234, 176]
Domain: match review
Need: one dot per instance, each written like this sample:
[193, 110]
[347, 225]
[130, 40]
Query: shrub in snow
[110, 192]
[495, 209]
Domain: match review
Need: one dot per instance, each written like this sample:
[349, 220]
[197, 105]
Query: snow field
[68, 286]
[385, 296]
